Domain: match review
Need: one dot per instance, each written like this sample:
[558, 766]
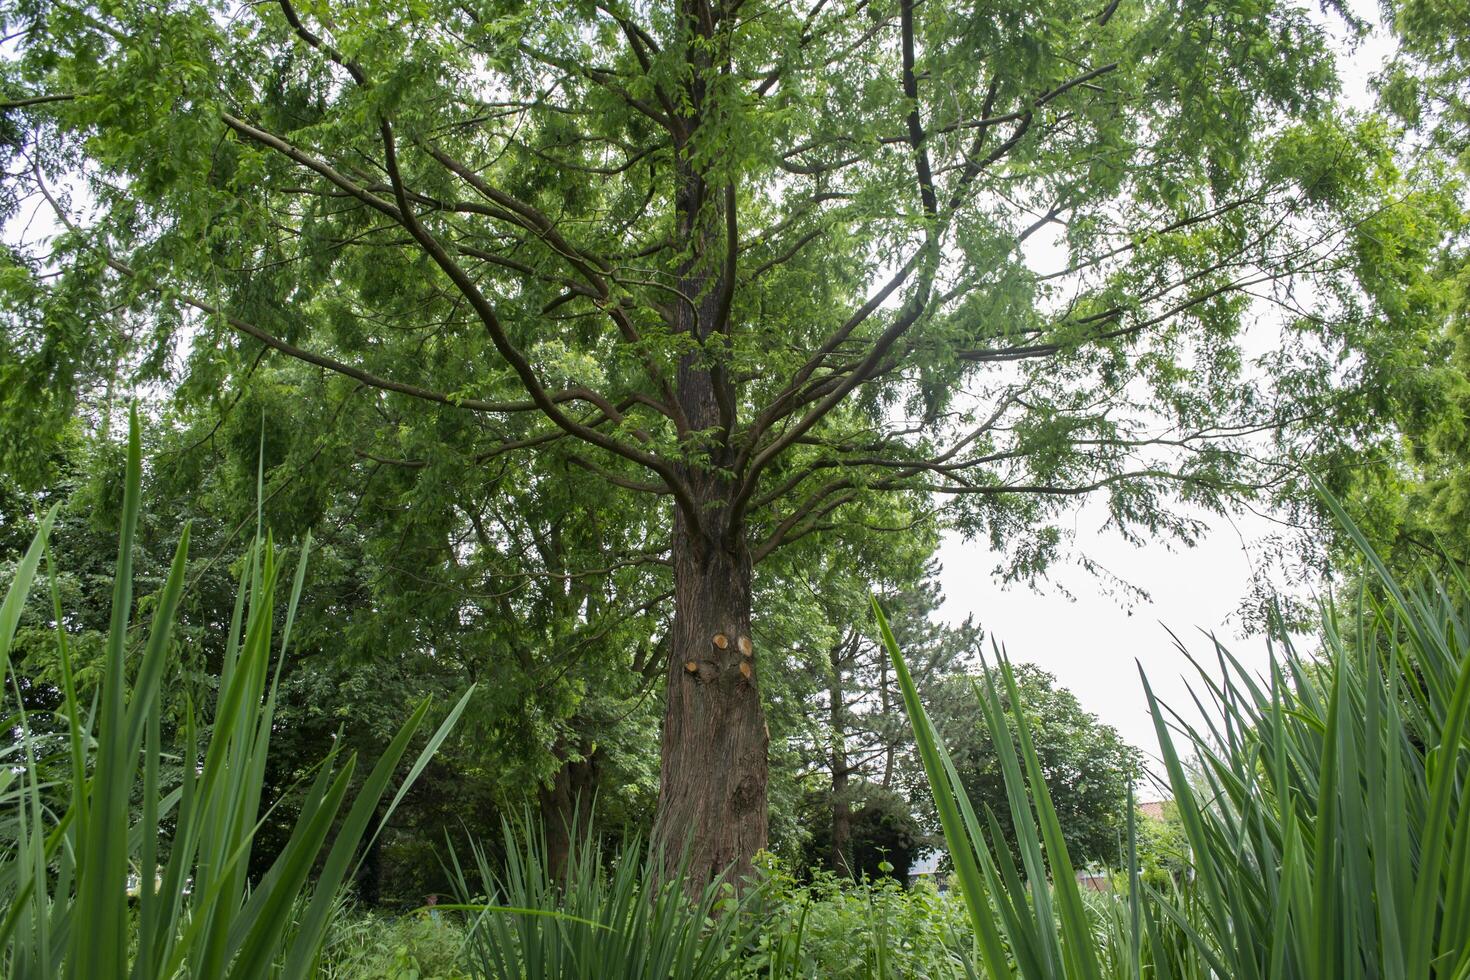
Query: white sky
[1091, 642]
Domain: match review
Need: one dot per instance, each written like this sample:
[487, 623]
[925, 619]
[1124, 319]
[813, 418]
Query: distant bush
[608, 919]
[368, 945]
[884, 831]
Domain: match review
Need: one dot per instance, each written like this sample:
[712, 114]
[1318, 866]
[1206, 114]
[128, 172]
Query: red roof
[1154, 810]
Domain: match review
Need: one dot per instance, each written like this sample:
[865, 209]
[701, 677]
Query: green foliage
[424, 581]
[505, 284]
[1087, 766]
[874, 929]
[858, 742]
[1327, 832]
[886, 836]
[367, 945]
[72, 846]
[1409, 491]
[395, 608]
[1167, 144]
[825, 927]
[1427, 85]
[1162, 849]
[766, 267]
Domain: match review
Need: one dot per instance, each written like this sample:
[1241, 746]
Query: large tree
[757, 260]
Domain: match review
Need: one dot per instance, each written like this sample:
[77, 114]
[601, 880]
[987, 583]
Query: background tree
[1426, 85]
[1087, 766]
[869, 739]
[1163, 847]
[1426, 89]
[397, 608]
[884, 836]
[753, 261]
[815, 596]
[530, 582]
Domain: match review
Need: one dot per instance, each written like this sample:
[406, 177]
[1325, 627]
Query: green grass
[870, 930]
[369, 945]
[607, 916]
[74, 837]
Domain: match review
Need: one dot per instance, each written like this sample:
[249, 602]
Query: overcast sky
[1091, 642]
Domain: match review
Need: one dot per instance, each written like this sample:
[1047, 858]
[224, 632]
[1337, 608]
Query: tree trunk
[712, 785]
[370, 869]
[712, 780]
[565, 804]
[841, 805]
[886, 708]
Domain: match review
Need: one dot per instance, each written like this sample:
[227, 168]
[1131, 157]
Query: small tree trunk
[370, 871]
[565, 804]
[841, 805]
[886, 708]
[712, 786]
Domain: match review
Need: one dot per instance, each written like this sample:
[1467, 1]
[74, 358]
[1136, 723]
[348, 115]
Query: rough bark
[712, 783]
[886, 708]
[712, 786]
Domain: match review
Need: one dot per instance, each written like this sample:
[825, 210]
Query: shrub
[610, 915]
[884, 831]
[833, 928]
[368, 945]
